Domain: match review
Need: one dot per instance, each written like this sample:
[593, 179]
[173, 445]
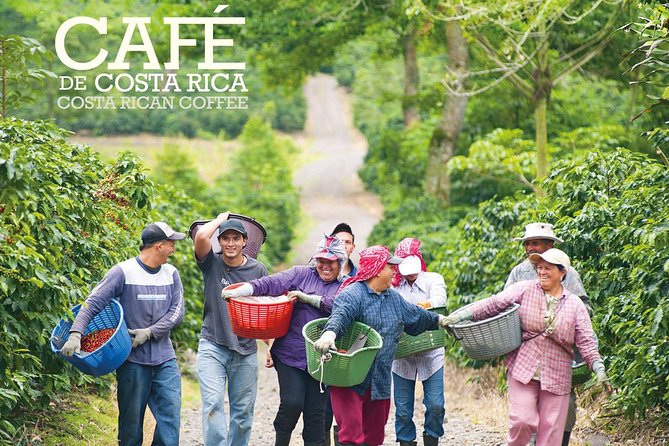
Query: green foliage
[422, 217]
[259, 184]
[611, 209]
[498, 164]
[175, 167]
[20, 61]
[66, 218]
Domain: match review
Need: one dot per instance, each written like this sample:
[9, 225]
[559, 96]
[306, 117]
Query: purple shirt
[290, 349]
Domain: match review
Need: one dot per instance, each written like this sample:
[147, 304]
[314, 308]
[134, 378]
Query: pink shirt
[554, 352]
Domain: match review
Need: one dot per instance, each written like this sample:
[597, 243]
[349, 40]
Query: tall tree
[525, 42]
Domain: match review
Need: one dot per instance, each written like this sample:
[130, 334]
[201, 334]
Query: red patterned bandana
[372, 260]
[408, 247]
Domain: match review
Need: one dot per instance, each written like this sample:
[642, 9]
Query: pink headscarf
[372, 260]
[408, 247]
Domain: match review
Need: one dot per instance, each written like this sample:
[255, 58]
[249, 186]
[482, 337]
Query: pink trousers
[360, 419]
[532, 409]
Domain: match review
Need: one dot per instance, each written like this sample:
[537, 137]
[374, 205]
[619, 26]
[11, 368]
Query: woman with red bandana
[362, 411]
[425, 289]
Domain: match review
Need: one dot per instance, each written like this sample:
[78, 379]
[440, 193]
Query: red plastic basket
[260, 320]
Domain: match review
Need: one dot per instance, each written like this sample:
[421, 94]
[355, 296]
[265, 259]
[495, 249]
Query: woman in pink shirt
[553, 320]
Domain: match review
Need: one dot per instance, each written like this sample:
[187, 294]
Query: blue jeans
[217, 366]
[433, 399]
[159, 386]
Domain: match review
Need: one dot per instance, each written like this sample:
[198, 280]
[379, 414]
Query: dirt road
[331, 191]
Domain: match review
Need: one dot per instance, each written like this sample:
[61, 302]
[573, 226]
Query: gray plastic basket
[492, 337]
[255, 231]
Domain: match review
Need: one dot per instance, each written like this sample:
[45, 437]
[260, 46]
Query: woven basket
[580, 372]
[342, 369]
[256, 234]
[492, 337]
[428, 340]
[110, 355]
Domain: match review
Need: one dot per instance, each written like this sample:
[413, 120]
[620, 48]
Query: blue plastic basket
[110, 355]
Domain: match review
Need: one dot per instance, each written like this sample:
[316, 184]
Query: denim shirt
[389, 314]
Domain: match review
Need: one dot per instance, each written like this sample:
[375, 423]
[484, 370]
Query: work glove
[425, 304]
[305, 298]
[140, 336]
[73, 344]
[454, 318]
[326, 342]
[244, 289]
[600, 375]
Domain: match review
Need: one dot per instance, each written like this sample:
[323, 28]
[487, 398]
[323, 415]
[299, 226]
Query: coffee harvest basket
[337, 368]
[580, 372]
[492, 337]
[256, 234]
[108, 356]
[428, 340]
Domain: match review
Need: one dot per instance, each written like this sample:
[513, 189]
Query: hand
[326, 342]
[237, 290]
[425, 304]
[451, 319]
[600, 376]
[269, 362]
[305, 298]
[140, 336]
[223, 216]
[73, 344]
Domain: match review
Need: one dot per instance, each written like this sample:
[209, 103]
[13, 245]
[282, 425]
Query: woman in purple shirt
[314, 286]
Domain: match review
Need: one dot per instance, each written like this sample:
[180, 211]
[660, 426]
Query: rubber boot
[430, 441]
[282, 439]
[408, 443]
[336, 436]
[565, 438]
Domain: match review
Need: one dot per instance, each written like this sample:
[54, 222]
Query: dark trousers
[299, 394]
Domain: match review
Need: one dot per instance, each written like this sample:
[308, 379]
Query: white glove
[73, 344]
[245, 289]
[140, 336]
[326, 342]
[453, 318]
[305, 298]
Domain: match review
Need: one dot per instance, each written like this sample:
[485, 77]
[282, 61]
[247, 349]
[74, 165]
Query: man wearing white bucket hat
[539, 238]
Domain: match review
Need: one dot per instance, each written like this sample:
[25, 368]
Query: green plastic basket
[342, 369]
[580, 372]
[428, 340]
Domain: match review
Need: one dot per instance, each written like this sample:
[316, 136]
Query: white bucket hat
[535, 231]
[411, 265]
[554, 256]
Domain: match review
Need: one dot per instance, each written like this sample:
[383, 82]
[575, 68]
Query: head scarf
[332, 245]
[372, 260]
[408, 247]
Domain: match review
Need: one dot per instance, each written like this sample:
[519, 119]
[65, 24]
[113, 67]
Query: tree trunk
[542, 92]
[445, 136]
[410, 100]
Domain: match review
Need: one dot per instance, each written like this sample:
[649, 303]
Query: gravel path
[332, 193]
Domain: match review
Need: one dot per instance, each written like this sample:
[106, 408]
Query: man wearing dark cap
[344, 232]
[223, 357]
[150, 292]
